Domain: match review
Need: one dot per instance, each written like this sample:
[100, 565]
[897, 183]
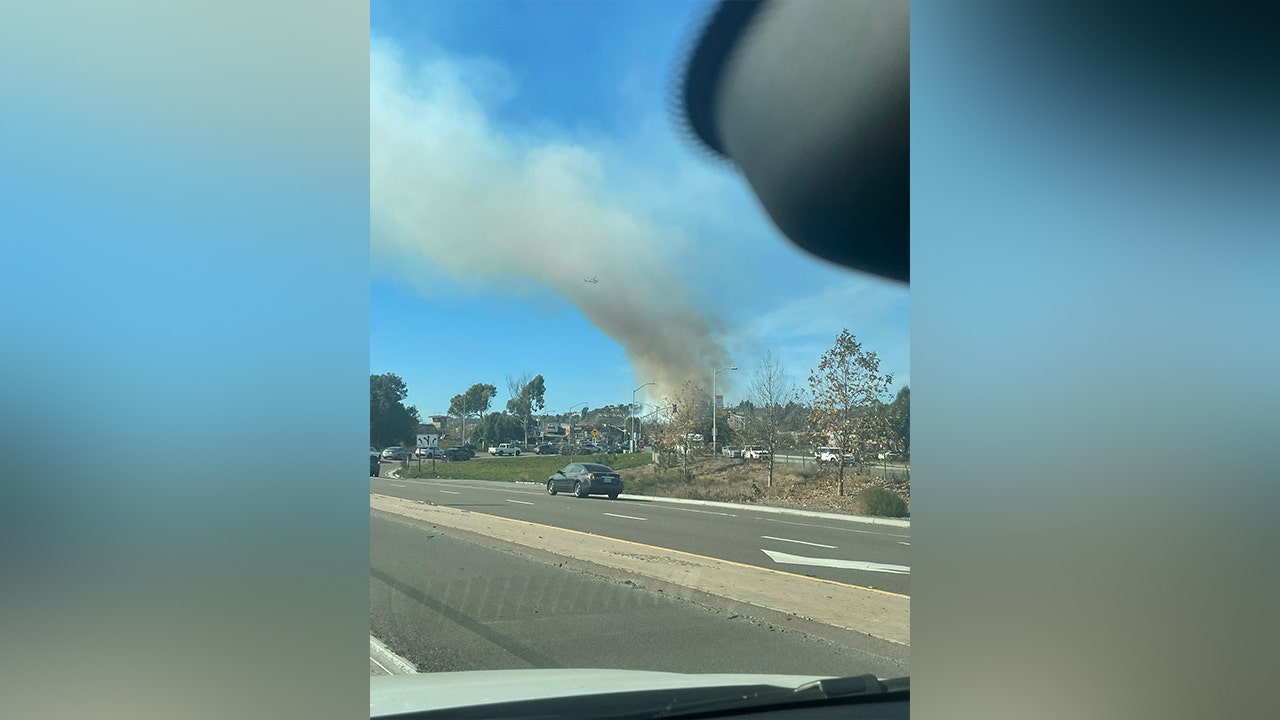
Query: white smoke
[495, 210]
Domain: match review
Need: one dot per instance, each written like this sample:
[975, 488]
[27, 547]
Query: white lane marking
[704, 512]
[629, 517]
[395, 485]
[902, 543]
[451, 492]
[522, 502]
[384, 667]
[830, 527]
[787, 559]
[798, 542]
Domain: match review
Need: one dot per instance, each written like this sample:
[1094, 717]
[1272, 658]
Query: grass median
[518, 469]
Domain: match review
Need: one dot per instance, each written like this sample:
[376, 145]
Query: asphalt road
[855, 553]
[446, 604]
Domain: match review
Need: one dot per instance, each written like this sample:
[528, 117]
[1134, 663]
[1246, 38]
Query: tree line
[845, 404]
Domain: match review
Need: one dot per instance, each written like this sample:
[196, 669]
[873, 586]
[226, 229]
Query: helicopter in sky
[591, 280]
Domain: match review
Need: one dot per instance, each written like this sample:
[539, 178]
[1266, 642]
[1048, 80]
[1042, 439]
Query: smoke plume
[500, 210]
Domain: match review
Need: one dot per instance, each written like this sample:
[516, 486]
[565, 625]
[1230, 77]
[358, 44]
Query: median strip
[874, 612]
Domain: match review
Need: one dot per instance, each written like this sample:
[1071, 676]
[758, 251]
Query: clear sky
[518, 148]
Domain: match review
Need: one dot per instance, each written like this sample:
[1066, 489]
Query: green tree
[898, 422]
[772, 402]
[527, 395]
[475, 401]
[390, 422]
[495, 428]
[848, 391]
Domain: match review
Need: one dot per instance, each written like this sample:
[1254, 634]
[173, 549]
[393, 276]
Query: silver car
[396, 453]
[583, 479]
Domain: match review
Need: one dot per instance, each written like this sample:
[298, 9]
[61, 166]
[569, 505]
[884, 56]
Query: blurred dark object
[811, 100]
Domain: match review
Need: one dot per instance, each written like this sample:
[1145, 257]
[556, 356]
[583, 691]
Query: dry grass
[736, 481]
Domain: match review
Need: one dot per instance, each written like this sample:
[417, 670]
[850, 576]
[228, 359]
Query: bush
[878, 502]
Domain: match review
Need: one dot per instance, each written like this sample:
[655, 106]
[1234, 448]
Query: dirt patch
[738, 481]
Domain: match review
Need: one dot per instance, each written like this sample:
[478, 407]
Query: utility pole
[634, 429]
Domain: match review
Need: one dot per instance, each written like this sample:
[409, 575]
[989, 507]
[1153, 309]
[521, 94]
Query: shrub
[878, 502]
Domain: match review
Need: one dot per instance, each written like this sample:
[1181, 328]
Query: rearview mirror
[811, 101]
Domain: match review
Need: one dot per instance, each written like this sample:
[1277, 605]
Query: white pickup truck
[504, 449]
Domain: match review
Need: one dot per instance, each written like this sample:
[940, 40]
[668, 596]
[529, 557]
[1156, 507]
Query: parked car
[428, 453]
[583, 479]
[831, 454]
[732, 452]
[373, 452]
[459, 452]
[375, 466]
[589, 447]
[395, 453]
[504, 449]
[755, 452]
[546, 449]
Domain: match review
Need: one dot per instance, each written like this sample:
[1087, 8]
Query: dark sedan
[546, 449]
[374, 468]
[458, 453]
[583, 479]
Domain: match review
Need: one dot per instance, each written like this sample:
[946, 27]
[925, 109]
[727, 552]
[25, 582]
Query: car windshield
[562, 266]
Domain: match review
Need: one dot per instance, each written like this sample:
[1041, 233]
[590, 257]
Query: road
[856, 553]
[447, 604]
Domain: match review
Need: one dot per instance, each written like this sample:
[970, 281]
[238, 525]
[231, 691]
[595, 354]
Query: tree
[847, 390]
[772, 402]
[495, 428]
[526, 398]
[475, 401]
[685, 415]
[898, 422]
[390, 422]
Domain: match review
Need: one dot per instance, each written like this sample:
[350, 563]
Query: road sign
[427, 440]
[595, 433]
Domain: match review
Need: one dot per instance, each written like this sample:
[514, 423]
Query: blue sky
[518, 147]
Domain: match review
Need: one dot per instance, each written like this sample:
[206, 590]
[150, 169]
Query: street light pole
[713, 406]
[569, 436]
[633, 413]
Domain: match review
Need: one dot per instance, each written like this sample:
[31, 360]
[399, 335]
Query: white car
[505, 449]
[831, 454]
[755, 452]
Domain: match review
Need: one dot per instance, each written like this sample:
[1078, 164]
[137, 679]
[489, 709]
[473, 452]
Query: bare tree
[773, 398]
[685, 412]
[848, 390]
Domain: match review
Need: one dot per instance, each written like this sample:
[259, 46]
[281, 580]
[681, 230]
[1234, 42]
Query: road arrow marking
[798, 542]
[788, 559]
